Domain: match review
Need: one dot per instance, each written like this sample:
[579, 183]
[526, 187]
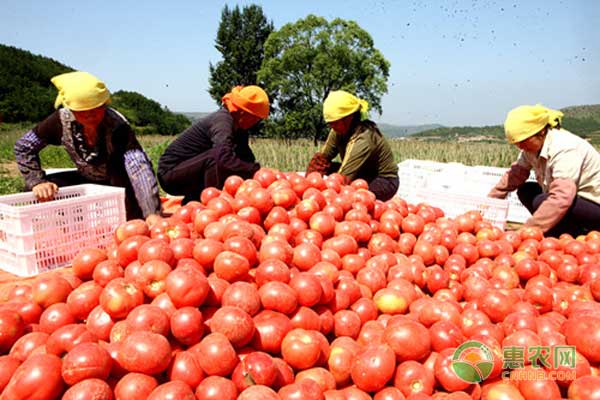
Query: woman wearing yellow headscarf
[566, 196]
[98, 139]
[364, 151]
[214, 147]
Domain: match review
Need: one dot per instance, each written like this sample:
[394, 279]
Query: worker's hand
[45, 191]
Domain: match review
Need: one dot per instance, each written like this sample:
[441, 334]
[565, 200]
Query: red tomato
[412, 378]
[323, 223]
[66, 338]
[305, 255]
[187, 325]
[256, 368]
[106, 271]
[119, 297]
[243, 295]
[216, 388]
[307, 287]
[278, 296]
[413, 223]
[26, 344]
[444, 373]
[131, 228]
[319, 375]
[152, 277]
[99, 322]
[389, 393]
[271, 328]
[232, 183]
[8, 366]
[89, 388]
[172, 390]
[12, 328]
[301, 348]
[187, 287]
[585, 387]
[185, 368]
[305, 389]
[135, 386]
[534, 383]
[50, 289]
[182, 247]
[373, 367]
[156, 249]
[38, 378]
[346, 323]
[215, 354]
[55, 316]
[342, 244]
[86, 260]
[145, 352]
[400, 337]
[146, 317]
[271, 270]
[258, 392]
[234, 323]
[86, 361]
[582, 332]
[231, 266]
[127, 252]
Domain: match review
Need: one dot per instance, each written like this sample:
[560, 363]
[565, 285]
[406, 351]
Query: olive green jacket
[365, 153]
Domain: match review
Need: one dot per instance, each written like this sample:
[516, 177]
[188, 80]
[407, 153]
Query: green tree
[240, 40]
[306, 60]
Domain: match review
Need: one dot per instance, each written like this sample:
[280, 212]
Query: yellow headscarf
[80, 91]
[525, 121]
[340, 104]
[251, 99]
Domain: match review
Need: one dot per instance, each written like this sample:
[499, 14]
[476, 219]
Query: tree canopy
[240, 39]
[306, 60]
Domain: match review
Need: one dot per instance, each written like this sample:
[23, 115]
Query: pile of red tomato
[291, 287]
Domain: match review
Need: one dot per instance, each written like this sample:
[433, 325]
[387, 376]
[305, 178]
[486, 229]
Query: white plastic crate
[416, 174]
[486, 178]
[454, 204]
[37, 237]
[458, 179]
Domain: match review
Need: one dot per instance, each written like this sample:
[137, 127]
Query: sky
[456, 63]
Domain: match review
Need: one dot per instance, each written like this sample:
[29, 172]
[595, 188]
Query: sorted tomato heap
[286, 287]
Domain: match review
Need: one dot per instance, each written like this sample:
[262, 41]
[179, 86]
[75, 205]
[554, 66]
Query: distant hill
[193, 116]
[393, 131]
[148, 115]
[583, 120]
[582, 112]
[27, 95]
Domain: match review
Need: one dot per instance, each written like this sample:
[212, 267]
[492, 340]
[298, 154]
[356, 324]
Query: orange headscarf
[251, 99]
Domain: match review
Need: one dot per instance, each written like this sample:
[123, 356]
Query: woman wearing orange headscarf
[566, 196]
[214, 147]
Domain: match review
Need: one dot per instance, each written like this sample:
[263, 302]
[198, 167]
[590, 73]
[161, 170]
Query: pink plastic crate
[37, 237]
